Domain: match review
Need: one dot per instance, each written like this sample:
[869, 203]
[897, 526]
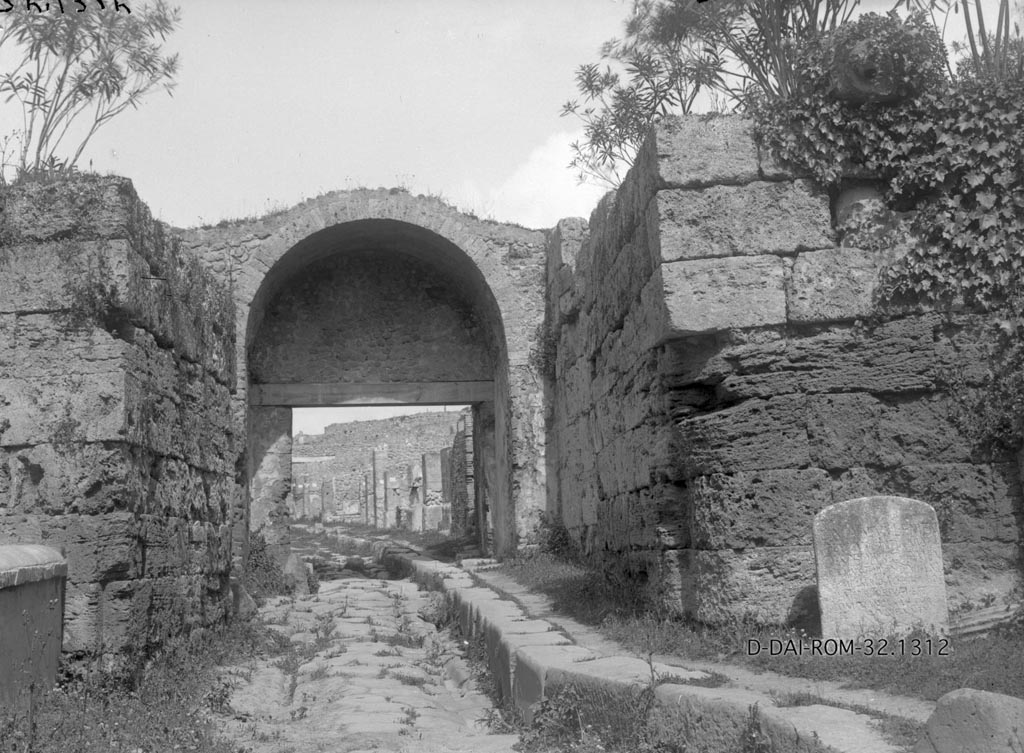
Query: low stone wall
[721, 373]
[116, 439]
[31, 620]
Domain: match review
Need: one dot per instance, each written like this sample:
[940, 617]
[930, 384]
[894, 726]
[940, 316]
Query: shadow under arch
[374, 311]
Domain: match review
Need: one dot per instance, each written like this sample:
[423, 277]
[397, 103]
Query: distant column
[446, 475]
[365, 496]
[380, 461]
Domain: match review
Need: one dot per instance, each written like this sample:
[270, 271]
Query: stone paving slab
[712, 719]
[369, 673]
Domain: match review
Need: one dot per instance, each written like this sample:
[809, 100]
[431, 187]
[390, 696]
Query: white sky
[279, 101]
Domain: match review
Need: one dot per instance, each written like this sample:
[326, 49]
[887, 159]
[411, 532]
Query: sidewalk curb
[531, 663]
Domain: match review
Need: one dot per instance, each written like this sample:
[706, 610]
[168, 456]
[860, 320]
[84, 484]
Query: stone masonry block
[834, 284]
[61, 409]
[695, 151]
[902, 355]
[98, 547]
[108, 284]
[773, 585]
[757, 508]
[40, 347]
[750, 220]
[847, 430]
[56, 274]
[755, 435]
[85, 207]
[713, 295]
[975, 503]
[89, 478]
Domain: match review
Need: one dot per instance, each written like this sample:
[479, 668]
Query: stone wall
[351, 445]
[116, 442]
[720, 373]
[498, 269]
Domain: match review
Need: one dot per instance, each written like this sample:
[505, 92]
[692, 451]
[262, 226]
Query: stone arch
[498, 270]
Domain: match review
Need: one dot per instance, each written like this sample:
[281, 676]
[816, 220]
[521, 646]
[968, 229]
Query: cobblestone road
[368, 673]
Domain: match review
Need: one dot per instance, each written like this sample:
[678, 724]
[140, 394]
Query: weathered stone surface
[974, 720]
[834, 284]
[752, 436]
[879, 565]
[750, 220]
[753, 379]
[903, 355]
[116, 433]
[769, 584]
[83, 207]
[974, 502]
[858, 429]
[756, 508]
[694, 151]
[711, 295]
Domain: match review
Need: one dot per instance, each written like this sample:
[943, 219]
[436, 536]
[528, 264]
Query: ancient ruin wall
[721, 374]
[116, 445]
[501, 265]
[351, 444]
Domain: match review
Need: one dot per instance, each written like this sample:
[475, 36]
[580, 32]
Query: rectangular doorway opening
[368, 468]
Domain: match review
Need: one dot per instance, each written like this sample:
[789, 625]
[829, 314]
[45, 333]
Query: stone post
[380, 460]
[270, 437]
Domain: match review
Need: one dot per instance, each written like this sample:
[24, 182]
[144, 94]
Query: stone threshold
[533, 652]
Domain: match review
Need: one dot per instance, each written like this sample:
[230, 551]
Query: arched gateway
[375, 297]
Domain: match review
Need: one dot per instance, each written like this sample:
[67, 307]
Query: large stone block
[974, 502]
[750, 220]
[89, 478]
[115, 286]
[41, 346]
[752, 436]
[900, 356]
[857, 429]
[714, 295]
[879, 565]
[694, 151]
[773, 585]
[83, 207]
[969, 719]
[98, 547]
[756, 508]
[835, 284]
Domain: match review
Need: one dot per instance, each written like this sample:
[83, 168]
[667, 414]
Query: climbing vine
[951, 151]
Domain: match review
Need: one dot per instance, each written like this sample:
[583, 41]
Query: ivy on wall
[951, 151]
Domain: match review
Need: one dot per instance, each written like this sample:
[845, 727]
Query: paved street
[369, 674]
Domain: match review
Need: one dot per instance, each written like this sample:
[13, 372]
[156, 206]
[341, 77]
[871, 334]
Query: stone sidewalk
[368, 672]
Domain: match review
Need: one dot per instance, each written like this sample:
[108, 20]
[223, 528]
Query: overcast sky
[279, 101]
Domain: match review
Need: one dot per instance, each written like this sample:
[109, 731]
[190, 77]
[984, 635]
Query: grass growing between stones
[903, 733]
[163, 703]
[994, 662]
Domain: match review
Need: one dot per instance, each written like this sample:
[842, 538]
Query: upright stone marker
[879, 562]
